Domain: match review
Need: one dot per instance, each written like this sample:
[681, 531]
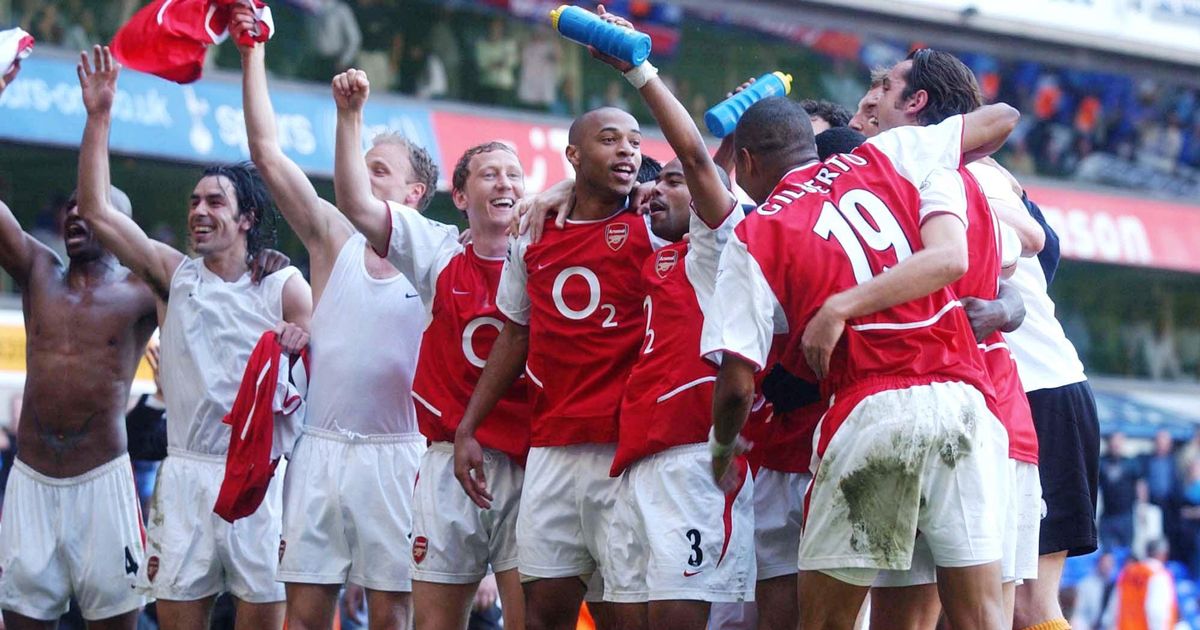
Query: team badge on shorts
[615, 235]
[420, 546]
[282, 548]
[152, 568]
[665, 262]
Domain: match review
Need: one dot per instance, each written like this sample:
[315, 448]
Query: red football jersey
[465, 323]
[982, 281]
[579, 290]
[829, 226]
[784, 441]
[668, 400]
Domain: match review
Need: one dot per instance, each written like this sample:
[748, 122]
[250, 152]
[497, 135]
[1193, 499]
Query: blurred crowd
[1103, 127]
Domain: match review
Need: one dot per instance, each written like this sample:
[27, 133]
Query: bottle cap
[554, 15]
[786, 79]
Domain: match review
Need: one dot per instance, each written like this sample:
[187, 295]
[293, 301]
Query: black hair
[254, 199]
[775, 127]
[830, 112]
[948, 82]
[649, 169]
[838, 140]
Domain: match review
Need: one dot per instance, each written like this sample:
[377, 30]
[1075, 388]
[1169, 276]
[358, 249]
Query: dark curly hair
[253, 198]
[830, 112]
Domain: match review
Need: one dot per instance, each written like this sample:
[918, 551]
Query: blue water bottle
[723, 118]
[585, 27]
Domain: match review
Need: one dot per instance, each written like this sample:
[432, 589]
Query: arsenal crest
[615, 235]
[665, 262]
[152, 568]
[420, 546]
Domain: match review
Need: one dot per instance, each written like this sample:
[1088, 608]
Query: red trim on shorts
[137, 504]
[730, 497]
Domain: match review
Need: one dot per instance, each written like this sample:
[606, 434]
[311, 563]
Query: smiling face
[495, 183]
[606, 150]
[864, 120]
[214, 222]
[670, 203]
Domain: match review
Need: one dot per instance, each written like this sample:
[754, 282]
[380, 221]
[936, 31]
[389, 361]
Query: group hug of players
[578, 408]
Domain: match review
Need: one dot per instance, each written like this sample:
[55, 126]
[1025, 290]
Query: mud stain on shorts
[875, 496]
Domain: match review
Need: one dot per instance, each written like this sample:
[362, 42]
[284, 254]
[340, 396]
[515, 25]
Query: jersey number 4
[847, 224]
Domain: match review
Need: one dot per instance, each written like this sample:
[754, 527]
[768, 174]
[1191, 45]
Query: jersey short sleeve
[420, 248]
[916, 151]
[512, 296]
[705, 245]
[943, 192]
[744, 314]
[1010, 245]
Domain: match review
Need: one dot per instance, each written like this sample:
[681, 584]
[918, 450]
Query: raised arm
[986, 129]
[153, 261]
[18, 250]
[321, 228]
[711, 198]
[351, 184]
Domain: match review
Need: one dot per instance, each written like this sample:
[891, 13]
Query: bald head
[120, 201]
[772, 137]
[591, 122]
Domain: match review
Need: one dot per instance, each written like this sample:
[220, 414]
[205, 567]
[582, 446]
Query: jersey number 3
[846, 223]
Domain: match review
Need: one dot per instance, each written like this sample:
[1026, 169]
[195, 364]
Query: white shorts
[929, 458]
[347, 510]
[778, 518]
[566, 513]
[677, 536]
[453, 540]
[192, 553]
[78, 536]
[1021, 524]
[1022, 529]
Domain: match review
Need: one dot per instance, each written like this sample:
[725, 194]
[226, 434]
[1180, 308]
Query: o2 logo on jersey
[593, 296]
[468, 338]
[615, 235]
[665, 262]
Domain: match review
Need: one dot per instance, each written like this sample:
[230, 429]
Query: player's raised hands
[612, 18]
[242, 21]
[350, 90]
[468, 469]
[10, 76]
[98, 79]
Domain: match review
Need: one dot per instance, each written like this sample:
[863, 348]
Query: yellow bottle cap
[554, 14]
[787, 81]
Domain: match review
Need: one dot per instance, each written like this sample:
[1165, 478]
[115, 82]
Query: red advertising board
[1122, 230]
[541, 147]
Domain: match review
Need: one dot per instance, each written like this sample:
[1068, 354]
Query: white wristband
[641, 74]
[716, 448]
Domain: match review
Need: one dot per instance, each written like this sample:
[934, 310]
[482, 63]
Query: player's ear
[415, 192]
[572, 153]
[743, 162]
[460, 199]
[917, 102]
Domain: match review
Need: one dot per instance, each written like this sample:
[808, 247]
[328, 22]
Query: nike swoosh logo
[411, 295]
[691, 573]
[457, 292]
[542, 266]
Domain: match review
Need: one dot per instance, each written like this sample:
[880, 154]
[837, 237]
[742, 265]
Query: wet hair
[775, 128]
[424, 169]
[462, 170]
[950, 84]
[837, 140]
[649, 169]
[830, 112]
[253, 199]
